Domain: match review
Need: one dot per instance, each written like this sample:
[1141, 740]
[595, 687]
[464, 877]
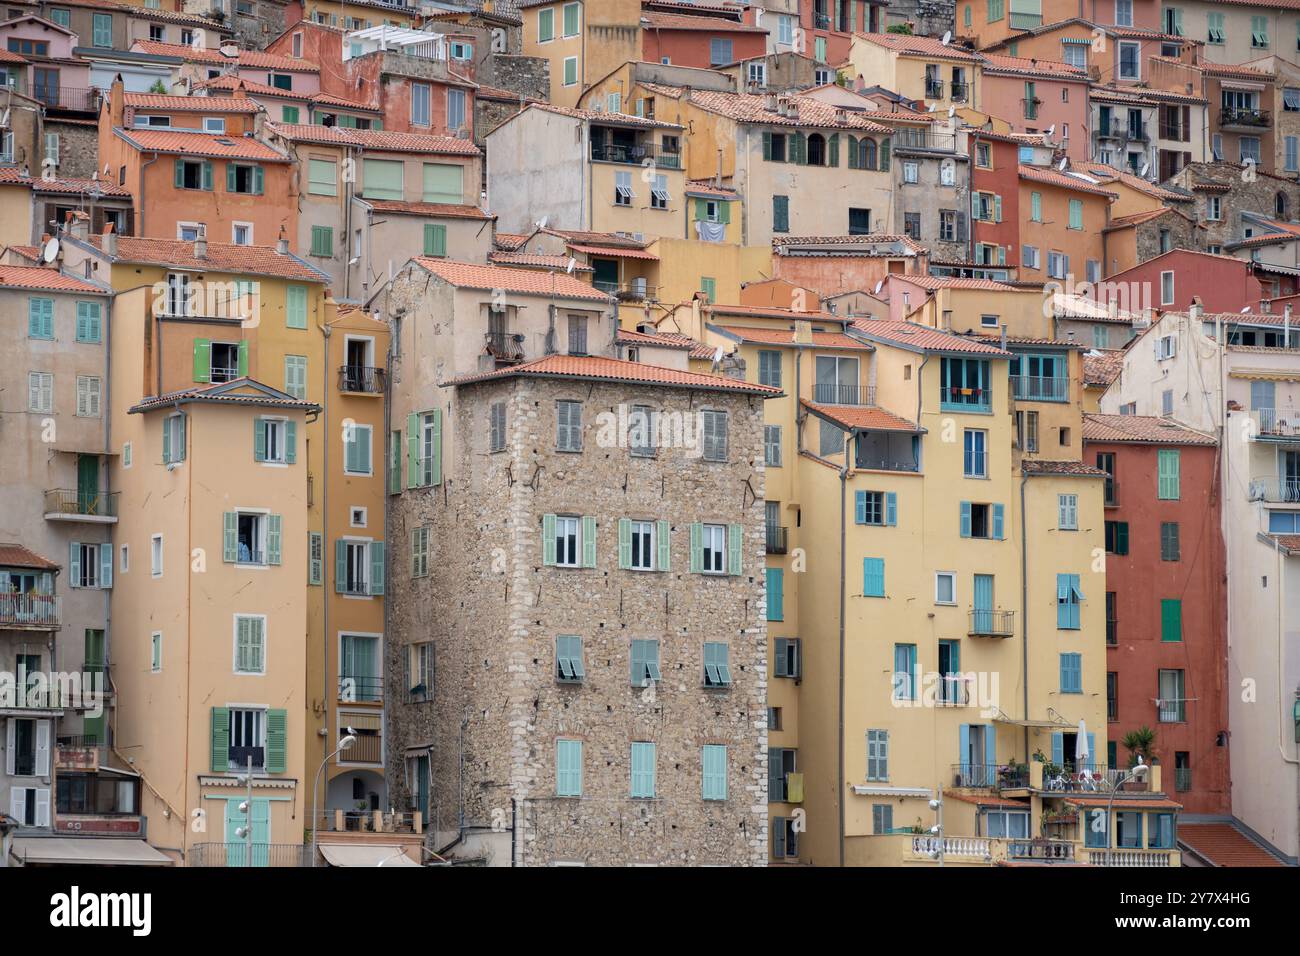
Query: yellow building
[582, 40]
[358, 14]
[247, 423]
[920, 68]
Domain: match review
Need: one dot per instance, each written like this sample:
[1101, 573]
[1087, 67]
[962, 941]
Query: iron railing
[627, 290]
[92, 504]
[869, 463]
[1182, 778]
[1040, 388]
[67, 97]
[237, 854]
[356, 688]
[906, 138]
[776, 540]
[635, 155]
[361, 378]
[958, 91]
[369, 821]
[990, 776]
[1030, 107]
[1245, 117]
[505, 346]
[934, 89]
[825, 393]
[30, 610]
[952, 691]
[955, 398]
[986, 623]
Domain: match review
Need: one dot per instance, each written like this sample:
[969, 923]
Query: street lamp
[346, 741]
[1137, 773]
[937, 830]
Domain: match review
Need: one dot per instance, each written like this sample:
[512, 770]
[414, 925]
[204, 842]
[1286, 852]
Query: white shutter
[83, 395]
[10, 744]
[96, 387]
[43, 807]
[18, 802]
[43, 749]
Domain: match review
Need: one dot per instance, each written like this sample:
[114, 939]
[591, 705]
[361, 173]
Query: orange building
[1062, 223]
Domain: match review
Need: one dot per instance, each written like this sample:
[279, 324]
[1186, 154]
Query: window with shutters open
[717, 666]
[275, 441]
[173, 439]
[1068, 599]
[89, 391]
[787, 661]
[644, 662]
[568, 659]
[359, 567]
[569, 541]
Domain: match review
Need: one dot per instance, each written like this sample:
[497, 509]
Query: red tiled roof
[957, 282]
[1143, 429]
[1102, 367]
[862, 416]
[623, 119]
[220, 257]
[629, 337]
[620, 252]
[329, 99]
[752, 108]
[377, 139]
[1051, 177]
[1121, 803]
[7, 57]
[13, 175]
[231, 81]
[1223, 844]
[16, 556]
[446, 210]
[535, 261]
[510, 240]
[1110, 174]
[231, 392]
[30, 277]
[189, 104]
[30, 253]
[654, 20]
[697, 187]
[981, 800]
[781, 245]
[257, 59]
[1136, 219]
[1055, 69]
[772, 312]
[195, 143]
[470, 275]
[821, 340]
[919, 46]
[698, 350]
[596, 368]
[1078, 469]
[923, 338]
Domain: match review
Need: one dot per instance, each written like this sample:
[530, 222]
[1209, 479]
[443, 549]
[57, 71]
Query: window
[322, 178]
[250, 644]
[89, 392]
[964, 384]
[1058, 264]
[911, 172]
[1076, 214]
[568, 759]
[40, 318]
[757, 73]
[295, 375]
[945, 587]
[713, 548]
[1029, 258]
[29, 47]
[720, 52]
[566, 538]
[568, 426]
[637, 544]
[622, 189]
[173, 439]
[906, 676]
[193, 174]
[572, 12]
[980, 520]
[421, 104]
[382, 179]
[1249, 149]
[435, 240]
[1167, 288]
[545, 26]
[456, 109]
[873, 577]
[1215, 32]
[713, 766]
[1068, 599]
[444, 183]
[995, 8]
[356, 450]
[788, 659]
[156, 556]
[1117, 537]
[102, 30]
[1171, 620]
[1259, 32]
[281, 81]
[1130, 64]
[570, 71]
[772, 446]
[64, 17]
[774, 718]
[717, 669]
[781, 213]
[1067, 507]
[645, 662]
[876, 507]
[859, 222]
[1168, 468]
[975, 458]
[568, 659]
[322, 241]
[1171, 706]
[659, 196]
[877, 755]
[715, 435]
[1071, 673]
[1169, 544]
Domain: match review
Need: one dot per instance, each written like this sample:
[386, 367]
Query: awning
[87, 851]
[365, 854]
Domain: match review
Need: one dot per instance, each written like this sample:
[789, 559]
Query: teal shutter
[873, 577]
[277, 722]
[998, 527]
[568, 768]
[1168, 465]
[202, 360]
[220, 739]
[340, 565]
[588, 541]
[273, 525]
[1171, 620]
[663, 539]
[860, 507]
[884, 155]
[296, 307]
[624, 543]
[106, 565]
[74, 564]
[412, 451]
[735, 543]
[767, 145]
[291, 442]
[259, 440]
[259, 181]
[963, 743]
[775, 594]
[965, 519]
[178, 169]
[435, 240]
[990, 747]
[834, 151]
[714, 766]
[548, 540]
[243, 359]
[778, 838]
[230, 536]
[643, 770]
[435, 454]
[1058, 749]
[697, 547]
[891, 508]
[376, 567]
[230, 177]
[166, 442]
[207, 176]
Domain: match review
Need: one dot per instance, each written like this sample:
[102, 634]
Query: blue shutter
[860, 506]
[775, 594]
[891, 508]
[1058, 749]
[1062, 598]
[998, 523]
[105, 565]
[965, 519]
[873, 577]
[963, 755]
[990, 750]
[74, 564]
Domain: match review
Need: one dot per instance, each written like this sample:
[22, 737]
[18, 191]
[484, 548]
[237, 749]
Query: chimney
[770, 103]
[1194, 311]
[229, 48]
[1286, 326]
[116, 101]
[803, 332]
[201, 247]
[78, 225]
[109, 242]
[282, 244]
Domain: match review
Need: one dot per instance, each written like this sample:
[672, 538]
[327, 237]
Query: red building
[1169, 281]
[995, 199]
[702, 42]
[1166, 602]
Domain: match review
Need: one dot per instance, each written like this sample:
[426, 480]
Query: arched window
[868, 147]
[816, 150]
[1280, 205]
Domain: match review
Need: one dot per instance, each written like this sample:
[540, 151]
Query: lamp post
[1137, 773]
[937, 830]
[346, 741]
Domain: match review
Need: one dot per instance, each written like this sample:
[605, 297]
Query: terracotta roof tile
[654, 20]
[1102, 367]
[957, 282]
[883, 245]
[220, 257]
[699, 350]
[596, 368]
[257, 59]
[1123, 803]
[189, 104]
[1051, 177]
[231, 81]
[195, 143]
[1110, 174]
[622, 119]
[919, 46]
[11, 174]
[870, 417]
[7, 57]
[629, 337]
[980, 800]
[235, 392]
[510, 240]
[28, 277]
[376, 139]
[1222, 843]
[1142, 429]
[998, 63]
[535, 261]
[923, 338]
[329, 99]
[17, 556]
[697, 187]
[752, 108]
[446, 210]
[821, 340]
[1078, 469]
[617, 251]
[772, 312]
[469, 275]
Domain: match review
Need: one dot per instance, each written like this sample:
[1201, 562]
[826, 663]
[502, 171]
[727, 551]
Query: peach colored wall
[1003, 95]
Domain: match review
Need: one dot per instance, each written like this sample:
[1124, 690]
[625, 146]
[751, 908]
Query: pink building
[52, 74]
[1037, 95]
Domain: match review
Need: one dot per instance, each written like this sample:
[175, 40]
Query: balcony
[79, 753]
[1182, 779]
[361, 380]
[31, 612]
[236, 854]
[634, 291]
[952, 691]
[1030, 108]
[957, 399]
[1271, 424]
[990, 776]
[910, 138]
[1280, 490]
[974, 848]
[1248, 118]
[368, 821]
[65, 504]
[1042, 848]
[635, 155]
[1038, 388]
[776, 540]
[77, 99]
[1110, 496]
[991, 623]
[1131, 857]
[958, 91]
[358, 689]
[836, 394]
[934, 89]
[505, 346]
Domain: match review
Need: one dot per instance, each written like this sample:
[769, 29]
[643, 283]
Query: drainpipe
[139, 220]
[326, 331]
[1024, 610]
[841, 794]
[108, 491]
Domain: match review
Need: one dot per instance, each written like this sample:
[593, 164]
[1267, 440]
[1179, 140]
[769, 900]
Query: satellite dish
[1145, 167]
[1244, 308]
[354, 260]
[106, 169]
[1063, 163]
[572, 264]
[1050, 130]
[717, 358]
[541, 223]
[51, 251]
[947, 37]
[879, 285]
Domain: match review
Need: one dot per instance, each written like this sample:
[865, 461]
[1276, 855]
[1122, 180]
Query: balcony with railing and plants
[1249, 118]
[909, 138]
[1040, 388]
[956, 398]
[69, 504]
[991, 623]
[31, 611]
[958, 91]
[80, 752]
[361, 379]
[634, 154]
[933, 89]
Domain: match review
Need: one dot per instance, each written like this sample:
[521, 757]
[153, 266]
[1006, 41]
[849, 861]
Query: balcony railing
[66, 503]
[1245, 117]
[934, 89]
[1030, 108]
[79, 753]
[505, 346]
[365, 689]
[355, 588]
[1171, 711]
[990, 776]
[984, 623]
[958, 91]
[906, 138]
[952, 691]
[30, 610]
[1110, 495]
[1040, 849]
[369, 821]
[1138, 132]
[627, 291]
[969, 847]
[67, 97]
[954, 398]
[1129, 857]
[635, 155]
[1284, 490]
[361, 379]
[1039, 388]
[1182, 779]
[836, 394]
[1112, 633]
[776, 540]
[237, 854]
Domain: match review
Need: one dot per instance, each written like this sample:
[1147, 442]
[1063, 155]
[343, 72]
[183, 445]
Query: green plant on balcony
[1140, 742]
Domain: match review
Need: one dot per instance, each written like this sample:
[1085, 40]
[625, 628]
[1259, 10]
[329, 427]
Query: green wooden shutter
[767, 145]
[230, 536]
[1168, 464]
[724, 212]
[277, 726]
[884, 155]
[435, 240]
[178, 168]
[412, 451]
[735, 545]
[207, 176]
[588, 541]
[1171, 620]
[291, 442]
[624, 543]
[167, 441]
[834, 150]
[220, 739]
[340, 565]
[202, 360]
[230, 177]
[663, 539]
[259, 181]
[701, 209]
[435, 464]
[778, 837]
[273, 525]
[376, 567]
[697, 547]
[296, 307]
[548, 540]
[259, 440]
[775, 594]
[243, 359]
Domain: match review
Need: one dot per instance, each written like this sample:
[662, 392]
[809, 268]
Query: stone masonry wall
[1258, 196]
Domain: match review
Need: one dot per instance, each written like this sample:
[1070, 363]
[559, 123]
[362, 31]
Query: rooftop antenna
[51, 251]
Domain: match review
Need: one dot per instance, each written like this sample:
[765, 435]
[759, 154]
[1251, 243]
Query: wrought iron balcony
[635, 155]
[505, 346]
[1283, 490]
[1030, 107]
[958, 91]
[353, 688]
[361, 379]
[830, 393]
[776, 540]
[75, 98]
[991, 623]
[1038, 388]
[66, 504]
[934, 89]
[1256, 119]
